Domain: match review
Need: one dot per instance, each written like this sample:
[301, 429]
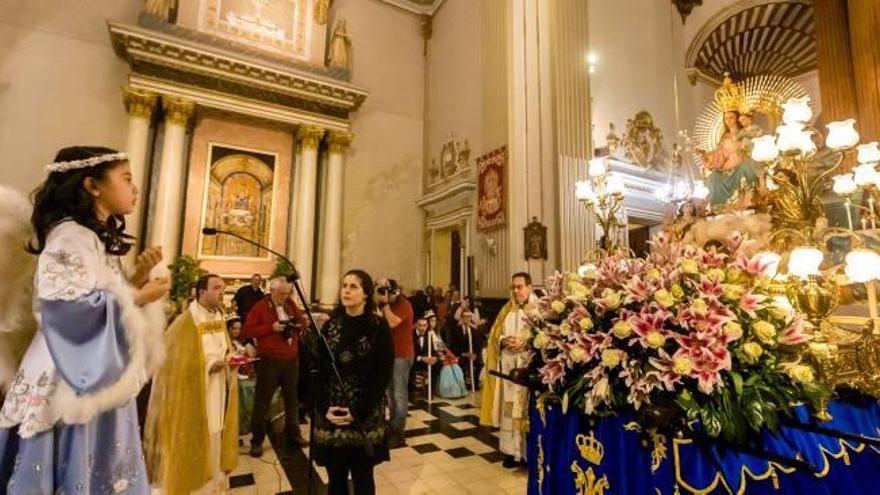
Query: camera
[288, 329]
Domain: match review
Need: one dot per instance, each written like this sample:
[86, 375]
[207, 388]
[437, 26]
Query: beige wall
[59, 82]
[382, 226]
[637, 43]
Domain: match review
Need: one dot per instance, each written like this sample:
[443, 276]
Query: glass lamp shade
[772, 260]
[869, 153]
[844, 184]
[597, 167]
[790, 137]
[615, 185]
[797, 110]
[842, 134]
[865, 175]
[583, 191]
[862, 265]
[586, 269]
[700, 190]
[804, 261]
[764, 149]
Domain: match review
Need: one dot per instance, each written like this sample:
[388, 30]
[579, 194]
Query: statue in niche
[160, 8]
[322, 9]
[340, 47]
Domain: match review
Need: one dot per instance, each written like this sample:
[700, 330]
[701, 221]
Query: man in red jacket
[276, 324]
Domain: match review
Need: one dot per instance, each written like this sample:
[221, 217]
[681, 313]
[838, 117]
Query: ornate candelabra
[603, 196]
[797, 178]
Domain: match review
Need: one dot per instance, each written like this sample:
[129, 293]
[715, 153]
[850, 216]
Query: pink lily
[795, 333]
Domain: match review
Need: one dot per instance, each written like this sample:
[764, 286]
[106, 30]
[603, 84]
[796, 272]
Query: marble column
[331, 248]
[864, 17]
[293, 216]
[834, 58]
[168, 211]
[310, 137]
[139, 104]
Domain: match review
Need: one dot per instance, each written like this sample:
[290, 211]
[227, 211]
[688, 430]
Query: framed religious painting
[492, 190]
[282, 27]
[239, 198]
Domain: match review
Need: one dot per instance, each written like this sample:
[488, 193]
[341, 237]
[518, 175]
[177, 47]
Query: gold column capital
[339, 141]
[177, 110]
[309, 136]
[138, 102]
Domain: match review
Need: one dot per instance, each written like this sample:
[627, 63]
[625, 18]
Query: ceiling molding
[229, 79]
[419, 7]
[755, 37]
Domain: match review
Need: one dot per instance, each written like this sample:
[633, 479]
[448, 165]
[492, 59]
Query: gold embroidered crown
[729, 96]
[591, 449]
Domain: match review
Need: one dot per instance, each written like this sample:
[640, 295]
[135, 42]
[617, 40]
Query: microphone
[292, 277]
[210, 231]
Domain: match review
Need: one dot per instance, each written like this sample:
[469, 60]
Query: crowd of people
[70, 424]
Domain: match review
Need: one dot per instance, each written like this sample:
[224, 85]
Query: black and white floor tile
[447, 452]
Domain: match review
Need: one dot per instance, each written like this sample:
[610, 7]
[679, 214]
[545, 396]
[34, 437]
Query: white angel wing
[17, 324]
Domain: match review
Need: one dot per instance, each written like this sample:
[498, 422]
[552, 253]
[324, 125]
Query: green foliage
[185, 272]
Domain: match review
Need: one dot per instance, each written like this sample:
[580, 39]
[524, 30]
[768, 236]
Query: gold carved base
[848, 358]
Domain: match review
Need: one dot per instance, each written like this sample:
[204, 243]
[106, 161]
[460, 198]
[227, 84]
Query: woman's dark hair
[232, 321]
[63, 195]
[367, 285]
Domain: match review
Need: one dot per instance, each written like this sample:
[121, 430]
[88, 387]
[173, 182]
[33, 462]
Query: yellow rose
[577, 290]
[565, 329]
[699, 307]
[781, 308]
[733, 275]
[655, 339]
[753, 351]
[764, 331]
[557, 306]
[677, 291]
[801, 373]
[820, 350]
[541, 340]
[610, 299]
[716, 274]
[733, 330]
[610, 358]
[586, 323]
[682, 365]
[733, 292]
[532, 311]
[653, 274]
[577, 354]
[622, 329]
[525, 333]
[664, 298]
[690, 266]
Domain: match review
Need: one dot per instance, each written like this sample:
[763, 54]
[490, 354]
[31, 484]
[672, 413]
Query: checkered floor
[447, 452]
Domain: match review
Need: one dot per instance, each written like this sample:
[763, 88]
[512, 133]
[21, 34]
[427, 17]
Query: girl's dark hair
[63, 195]
[367, 284]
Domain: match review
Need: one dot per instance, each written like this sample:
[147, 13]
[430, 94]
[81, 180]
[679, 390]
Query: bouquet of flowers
[687, 333]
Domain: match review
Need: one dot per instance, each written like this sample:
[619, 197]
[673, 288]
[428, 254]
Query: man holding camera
[398, 312]
[276, 323]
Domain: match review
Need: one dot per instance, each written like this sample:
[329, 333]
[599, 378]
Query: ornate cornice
[197, 64]
[309, 136]
[138, 103]
[177, 110]
[339, 141]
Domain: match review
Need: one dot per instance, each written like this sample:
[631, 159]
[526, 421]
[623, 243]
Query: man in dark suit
[248, 295]
[422, 359]
[457, 342]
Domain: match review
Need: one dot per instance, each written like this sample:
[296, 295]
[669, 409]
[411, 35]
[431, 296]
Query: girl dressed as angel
[69, 420]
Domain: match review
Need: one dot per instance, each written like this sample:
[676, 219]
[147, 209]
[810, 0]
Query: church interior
[645, 162]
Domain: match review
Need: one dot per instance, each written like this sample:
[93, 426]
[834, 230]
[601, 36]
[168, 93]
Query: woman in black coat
[350, 426]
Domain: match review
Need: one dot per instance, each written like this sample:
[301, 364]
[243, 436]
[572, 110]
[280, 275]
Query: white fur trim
[143, 331]
[17, 324]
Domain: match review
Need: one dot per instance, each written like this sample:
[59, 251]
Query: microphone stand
[294, 278]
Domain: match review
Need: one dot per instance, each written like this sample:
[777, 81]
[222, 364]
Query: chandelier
[681, 185]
